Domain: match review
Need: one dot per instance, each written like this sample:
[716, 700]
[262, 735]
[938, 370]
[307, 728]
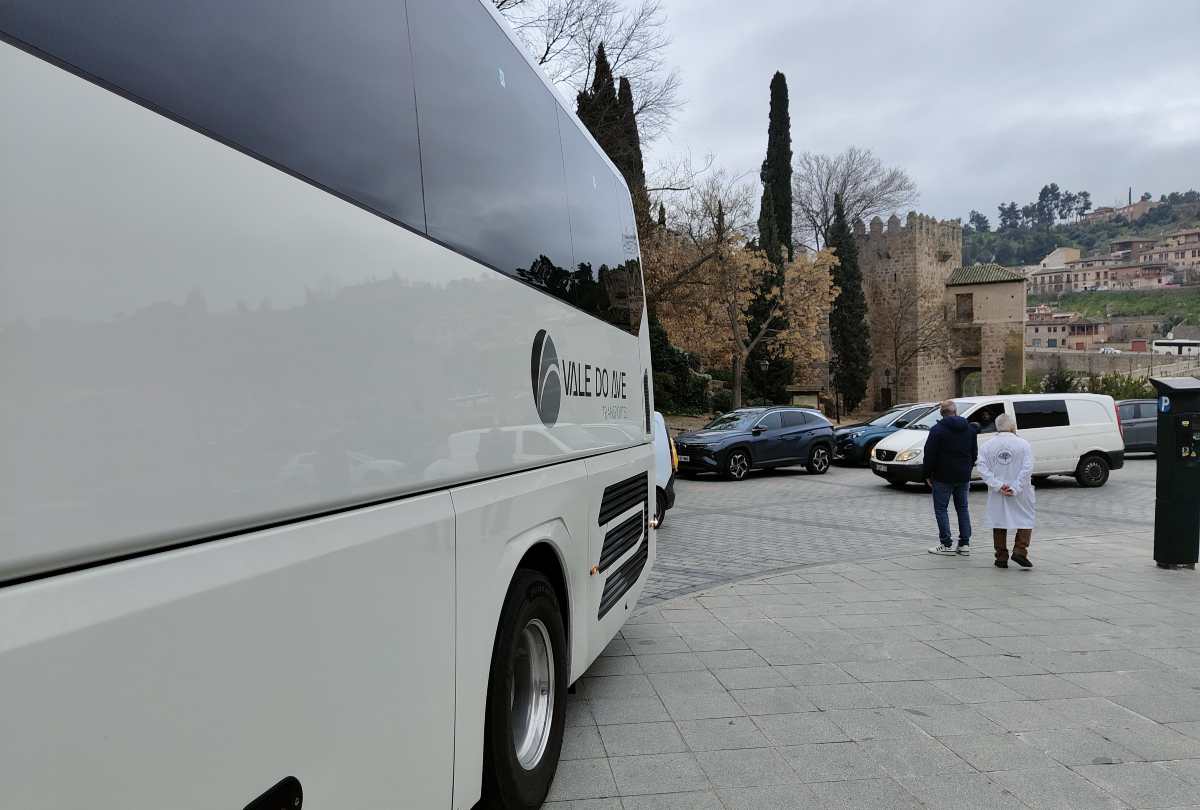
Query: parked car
[666, 461]
[1139, 419]
[757, 438]
[1109, 350]
[854, 443]
[1072, 434]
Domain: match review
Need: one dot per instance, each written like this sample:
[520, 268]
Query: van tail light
[1120, 424]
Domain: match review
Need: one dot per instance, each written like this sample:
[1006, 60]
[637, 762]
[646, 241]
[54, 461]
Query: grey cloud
[980, 103]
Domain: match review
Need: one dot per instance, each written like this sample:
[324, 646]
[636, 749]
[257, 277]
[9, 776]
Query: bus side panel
[605, 472]
[202, 677]
[497, 522]
[193, 342]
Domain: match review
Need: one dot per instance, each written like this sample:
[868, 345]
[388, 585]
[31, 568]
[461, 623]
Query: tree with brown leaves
[705, 277]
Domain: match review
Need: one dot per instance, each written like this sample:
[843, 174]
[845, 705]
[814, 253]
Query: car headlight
[909, 455]
[854, 435]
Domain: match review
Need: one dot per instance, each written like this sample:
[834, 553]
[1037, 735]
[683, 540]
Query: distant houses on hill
[1130, 264]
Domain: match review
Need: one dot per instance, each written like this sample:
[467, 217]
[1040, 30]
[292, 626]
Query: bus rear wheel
[526, 700]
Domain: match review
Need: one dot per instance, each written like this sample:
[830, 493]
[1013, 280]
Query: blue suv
[853, 443]
[757, 438]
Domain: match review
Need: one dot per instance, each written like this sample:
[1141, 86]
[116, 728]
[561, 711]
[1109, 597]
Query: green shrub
[1061, 381]
[1121, 386]
[722, 401]
[677, 388]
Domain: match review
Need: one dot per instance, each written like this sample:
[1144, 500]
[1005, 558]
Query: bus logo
[546, 378]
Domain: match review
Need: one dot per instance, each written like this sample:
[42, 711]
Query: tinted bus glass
[492, 163]
[599, 278]
[633, 266]
[1041, 413]
[323, 89]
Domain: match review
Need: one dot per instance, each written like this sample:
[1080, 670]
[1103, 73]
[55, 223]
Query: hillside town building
[1131, 212]
[1065, 330]
[1129, 264]
[1179, 250]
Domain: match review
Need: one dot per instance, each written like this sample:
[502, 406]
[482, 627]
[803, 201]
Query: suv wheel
[737, 464]
[1092, 471]
[818, 460]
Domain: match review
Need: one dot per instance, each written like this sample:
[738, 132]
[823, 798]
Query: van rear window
[1041, 413]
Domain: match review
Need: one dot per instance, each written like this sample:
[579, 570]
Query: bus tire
[526, 700]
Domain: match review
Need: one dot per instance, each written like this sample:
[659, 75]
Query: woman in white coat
[1006, 466]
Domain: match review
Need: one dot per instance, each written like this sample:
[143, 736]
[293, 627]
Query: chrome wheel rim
[531, 697]
[820, 460]
[739, 465]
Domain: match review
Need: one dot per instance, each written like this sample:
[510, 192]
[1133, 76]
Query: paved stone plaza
[721, 531]
[870, 674]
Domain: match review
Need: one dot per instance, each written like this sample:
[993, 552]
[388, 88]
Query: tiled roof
[982, 274]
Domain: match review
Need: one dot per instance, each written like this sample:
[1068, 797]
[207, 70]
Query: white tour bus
[326, 453]
[1179, 347]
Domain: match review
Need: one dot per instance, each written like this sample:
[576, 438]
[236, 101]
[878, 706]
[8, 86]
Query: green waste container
[1177, 494]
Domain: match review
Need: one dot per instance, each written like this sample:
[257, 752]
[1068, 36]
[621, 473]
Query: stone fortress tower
[969, 322]
[905, 269]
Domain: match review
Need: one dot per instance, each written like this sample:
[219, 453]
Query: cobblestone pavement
[893, 678]
[776, 520]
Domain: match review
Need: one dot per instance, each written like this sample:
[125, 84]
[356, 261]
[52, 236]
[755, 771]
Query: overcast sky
[980, 103]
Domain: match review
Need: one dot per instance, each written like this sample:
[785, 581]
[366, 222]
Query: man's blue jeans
[942, 493]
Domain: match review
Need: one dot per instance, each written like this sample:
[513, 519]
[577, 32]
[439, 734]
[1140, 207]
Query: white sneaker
[965, 550]
[940, 549]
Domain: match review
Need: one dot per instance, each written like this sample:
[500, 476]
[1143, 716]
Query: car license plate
[881, 468]
[685, 458]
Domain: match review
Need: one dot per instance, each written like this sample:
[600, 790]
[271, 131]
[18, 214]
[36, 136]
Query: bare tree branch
[563, 35]
[868, 188]
[904, 329]
[679, 174]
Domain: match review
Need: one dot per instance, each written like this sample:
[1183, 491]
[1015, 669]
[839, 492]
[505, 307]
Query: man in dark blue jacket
[950, 453]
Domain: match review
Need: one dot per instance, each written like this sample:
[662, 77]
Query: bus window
[490, 154]
[323, 93]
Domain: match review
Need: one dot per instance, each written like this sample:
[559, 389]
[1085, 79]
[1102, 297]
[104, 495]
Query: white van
[1072, 434]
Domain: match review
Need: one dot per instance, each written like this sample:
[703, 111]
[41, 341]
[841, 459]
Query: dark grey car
[1139, 421]
[758, 438]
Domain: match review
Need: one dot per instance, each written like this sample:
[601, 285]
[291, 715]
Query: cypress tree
[777, 168]
[768, 231]
[774, 239]
[597, 106]
[849, 330]
[630, 160]
[610, 115]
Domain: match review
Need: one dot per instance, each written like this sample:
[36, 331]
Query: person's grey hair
[1005, 424]
[949, 407]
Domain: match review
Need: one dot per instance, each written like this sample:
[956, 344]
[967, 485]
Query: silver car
[1139, 421]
